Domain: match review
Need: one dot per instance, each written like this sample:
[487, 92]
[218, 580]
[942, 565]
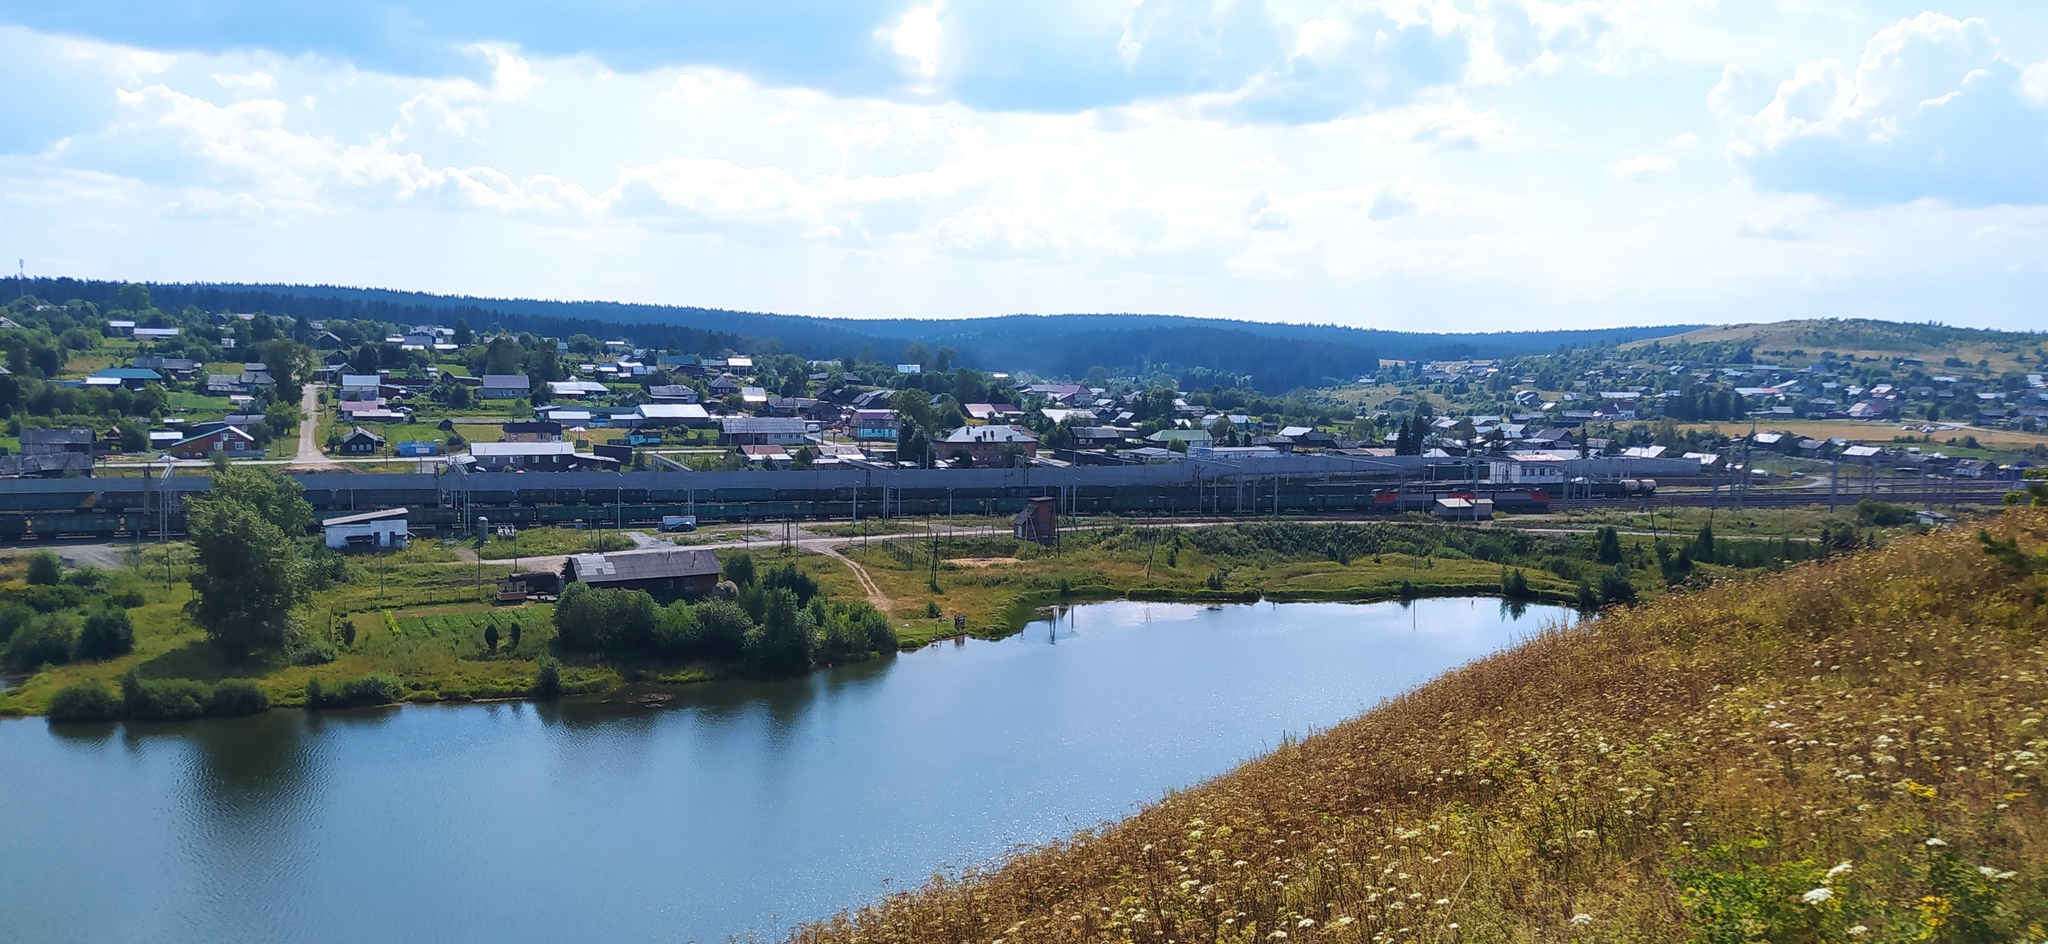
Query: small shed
[371, 529]
[1462, 509]
[1039, 521]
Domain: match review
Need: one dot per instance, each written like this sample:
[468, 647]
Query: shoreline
[1025, 610]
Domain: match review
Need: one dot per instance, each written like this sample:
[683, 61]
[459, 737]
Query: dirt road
[309, 456]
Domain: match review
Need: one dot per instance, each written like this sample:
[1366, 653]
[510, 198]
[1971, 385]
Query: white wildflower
[1987, 871]
[1817, 896]
[1582, 919]
[1305, 923]
[1858, 931]
[1585, 834]
[1839, 870]
[1936, 842]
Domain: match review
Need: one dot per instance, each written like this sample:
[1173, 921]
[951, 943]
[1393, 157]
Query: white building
[523, 456]
[370, 529]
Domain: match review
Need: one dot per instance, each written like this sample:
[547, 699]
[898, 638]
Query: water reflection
[738, 801]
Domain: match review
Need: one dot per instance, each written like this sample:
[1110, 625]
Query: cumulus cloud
[915, 38]
[1932, 110]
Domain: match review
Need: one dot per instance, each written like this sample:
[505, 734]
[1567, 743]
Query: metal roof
[522, 449]
[657, 564]
[761, 424]
[366, 516]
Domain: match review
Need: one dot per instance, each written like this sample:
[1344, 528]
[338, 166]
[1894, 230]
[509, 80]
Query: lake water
[737, 810]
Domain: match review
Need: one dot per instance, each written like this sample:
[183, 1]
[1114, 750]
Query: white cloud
[1931, 110]
[258, 81]
[915, 39]
[1640, 169]
[1372, 167]
[1391, 201]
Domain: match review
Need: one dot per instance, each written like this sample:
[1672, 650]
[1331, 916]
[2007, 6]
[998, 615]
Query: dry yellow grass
[1844, 752]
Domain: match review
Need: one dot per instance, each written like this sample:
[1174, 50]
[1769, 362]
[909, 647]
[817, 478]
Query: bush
[611, 622]
[84, 702]
[13, 616]
[44, 569]
[316, 695]
[1882, 514]
[45, 640]
[547, 685]
[107, 634]
[48, 598]
[163, 699]
[310, 653]
[739, 568]
[368, 690]
[796, 581]
[86, 576]
[237, 697]
[722, 627]
[1616, 587]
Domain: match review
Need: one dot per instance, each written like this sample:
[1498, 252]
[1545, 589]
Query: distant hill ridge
[1850, 335]
[1272, 356]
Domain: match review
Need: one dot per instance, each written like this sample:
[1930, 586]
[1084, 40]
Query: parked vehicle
[674, 523]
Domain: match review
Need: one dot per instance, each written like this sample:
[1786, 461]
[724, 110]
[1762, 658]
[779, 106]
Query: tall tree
[503, 356]
[250, 572]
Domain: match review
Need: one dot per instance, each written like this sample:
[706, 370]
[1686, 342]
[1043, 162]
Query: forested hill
[1272, 357]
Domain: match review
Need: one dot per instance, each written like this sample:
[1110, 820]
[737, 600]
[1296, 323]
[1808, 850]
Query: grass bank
[997, 583]
[420, 617]
[1847, 751]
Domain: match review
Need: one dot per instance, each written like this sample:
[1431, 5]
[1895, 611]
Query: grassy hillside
[1867, 338]
[1843, 752]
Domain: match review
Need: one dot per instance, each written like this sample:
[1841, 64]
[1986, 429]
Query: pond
[738, 810]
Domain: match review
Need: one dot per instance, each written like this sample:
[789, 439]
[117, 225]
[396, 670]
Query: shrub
[316, 695]
[1615, 587]
[163, 699]
[310, 653]
[84, 702]
[13, 616]
[722, 627]
[234, 698]
[739, 568]
[44, 569]
[86, 576]
[1882, 514]
[107, 633]
[547, 685]
[45, 640]
[49, 598]
[612, 622]
[931, 610]
[788, 577]
[126, 599]
[368, 690]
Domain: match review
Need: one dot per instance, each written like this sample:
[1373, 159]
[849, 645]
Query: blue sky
[1416, 164]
